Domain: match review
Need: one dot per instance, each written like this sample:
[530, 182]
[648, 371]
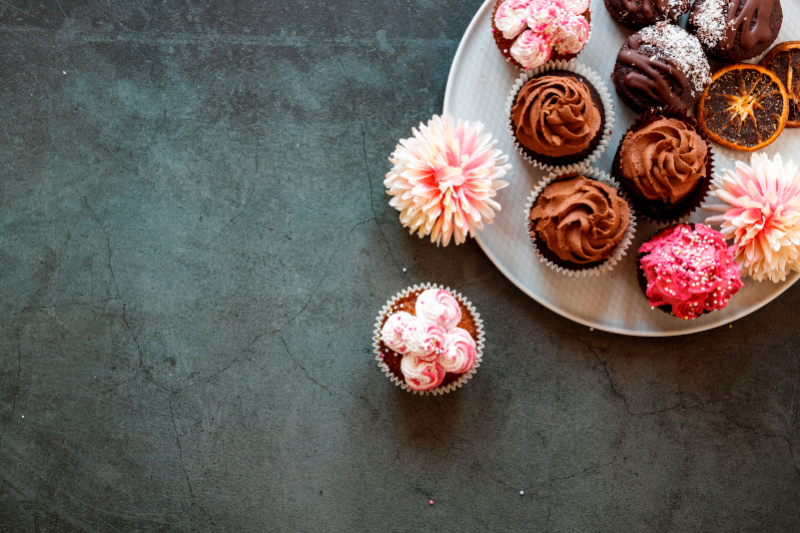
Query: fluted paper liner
[698, 196]
[605, 97]
[581, 271]
[463, 378]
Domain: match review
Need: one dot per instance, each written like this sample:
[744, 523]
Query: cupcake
[579, 225]
[687, 270]
[636, 14]
[736, 30]
[665, 165]
[445, 179]
[558, 117]
[530, 33]
[662, 65]
[429, 340]
[760, 209]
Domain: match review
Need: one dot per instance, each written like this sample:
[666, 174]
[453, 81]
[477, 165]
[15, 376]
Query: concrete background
[195, 242]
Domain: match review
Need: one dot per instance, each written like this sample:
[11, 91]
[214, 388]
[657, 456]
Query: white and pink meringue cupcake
[530, 33]
[429, 340]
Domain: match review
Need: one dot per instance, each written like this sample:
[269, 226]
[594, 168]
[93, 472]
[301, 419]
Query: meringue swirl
[511, 17]
[424, 339]
[531, 49]
[439, 306]
[579, 219]
[394, 330]
[664, 161]
[555, 116]
[421, 375]
[460, 351]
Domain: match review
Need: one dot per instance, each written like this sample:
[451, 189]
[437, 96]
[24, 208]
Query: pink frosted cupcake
[428, 340]
[687, 270]
[529, 33]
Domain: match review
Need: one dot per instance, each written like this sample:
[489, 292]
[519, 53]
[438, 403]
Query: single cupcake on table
[445, 179]
[665, 165]
[578, 224]
[636, 14]
[736, 30]
[428, 340]
[687, 270]
[761, 212]
[662, 65]
[560, 116]
[530, 33]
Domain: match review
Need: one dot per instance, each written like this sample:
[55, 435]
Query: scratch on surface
[16, 388]
[62, 9]
[247, 201]
[303, 368]
[598, 466]
[682, 406]
[364, 155]
[325, 274]
[604, 364]
[124, 304]
[15, 7]
[183, 466]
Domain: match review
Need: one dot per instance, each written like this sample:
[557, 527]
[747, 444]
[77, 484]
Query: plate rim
[788, 283]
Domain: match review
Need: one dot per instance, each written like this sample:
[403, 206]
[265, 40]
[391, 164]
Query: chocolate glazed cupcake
[736, 30]
[558, 118]
[662, 65]
[636, 14]
[664, 163]
[577, 223]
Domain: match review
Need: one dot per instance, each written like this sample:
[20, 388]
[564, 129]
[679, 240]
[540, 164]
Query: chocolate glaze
[761, 32]
[650, 80]
[647, 7]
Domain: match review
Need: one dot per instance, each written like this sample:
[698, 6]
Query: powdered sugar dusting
[682, 47]
[709, 18]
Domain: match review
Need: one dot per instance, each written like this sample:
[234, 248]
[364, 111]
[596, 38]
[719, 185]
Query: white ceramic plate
[477, 89]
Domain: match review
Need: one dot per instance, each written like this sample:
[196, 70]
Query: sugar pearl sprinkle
[692, 269]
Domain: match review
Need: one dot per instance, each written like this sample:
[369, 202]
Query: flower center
[450, 177]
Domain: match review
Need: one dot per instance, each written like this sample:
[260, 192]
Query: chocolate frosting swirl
[581, 220]
[555, 116]
[664, 161]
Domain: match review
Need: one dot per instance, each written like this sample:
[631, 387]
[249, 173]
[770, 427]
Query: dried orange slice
[784, 61]
[744, 108]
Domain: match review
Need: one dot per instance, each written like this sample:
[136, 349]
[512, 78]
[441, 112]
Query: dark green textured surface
[194, 243]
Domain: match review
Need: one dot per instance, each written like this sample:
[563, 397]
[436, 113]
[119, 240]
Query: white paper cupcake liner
[463, 378]
[619, 253]
[605, 96]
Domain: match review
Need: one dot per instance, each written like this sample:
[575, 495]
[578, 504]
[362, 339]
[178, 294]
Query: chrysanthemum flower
[445, 178]
[761, 211]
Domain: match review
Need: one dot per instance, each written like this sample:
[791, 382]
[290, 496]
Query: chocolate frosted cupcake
[662, 65]
[736, 30]
[636, 14]
[687, 270]
[579, 225]
[558, 117]
[664, 164]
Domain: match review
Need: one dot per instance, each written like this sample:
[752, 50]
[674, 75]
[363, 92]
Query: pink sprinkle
[383, 355]
[492, 30]
[431, 502]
